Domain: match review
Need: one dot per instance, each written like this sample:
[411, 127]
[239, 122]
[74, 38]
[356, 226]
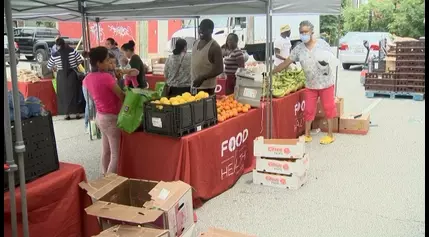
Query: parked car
[37, 42]
[6, 51]
[352, 51]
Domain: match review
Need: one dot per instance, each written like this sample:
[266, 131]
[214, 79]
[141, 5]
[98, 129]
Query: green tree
[408, 18]
[376, 15]
[332, 25]
[49, 24]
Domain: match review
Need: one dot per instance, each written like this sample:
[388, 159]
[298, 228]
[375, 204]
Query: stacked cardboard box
[342, 123]
[320, 120]
[280, 163]
[214, 232]
[124, 201]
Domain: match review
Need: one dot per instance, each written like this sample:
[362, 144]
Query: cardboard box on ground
[280, 163]
[136, 231]
[214, 232]
[167, 205]
[350, 125]
[320, 120]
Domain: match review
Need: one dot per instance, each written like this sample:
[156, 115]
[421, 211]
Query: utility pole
[370, 19]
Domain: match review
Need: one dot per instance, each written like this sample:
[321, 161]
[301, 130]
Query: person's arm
[240, 59]
[215, 57]
[118, 92]
[77, 57]
[167, 69]
[51, 63]
[294, 57]
[131, 72]
[277, 48]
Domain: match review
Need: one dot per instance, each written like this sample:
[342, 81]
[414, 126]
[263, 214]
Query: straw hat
[284, 28]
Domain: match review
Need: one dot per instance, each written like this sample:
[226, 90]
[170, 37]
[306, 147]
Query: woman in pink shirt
[108, 98]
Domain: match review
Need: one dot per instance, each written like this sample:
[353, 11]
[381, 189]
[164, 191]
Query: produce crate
[381, 67]
[370, 81]
[410, 56]
[40, 156]
[420, 43]
[379, 87]
[419, 89]
[410, 63]
[408, 69]
[411, 76]
[180, 120]
[406, 82]
[380, 75]
[410, 50]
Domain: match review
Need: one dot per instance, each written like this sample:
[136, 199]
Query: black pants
[210, 91]
[175, 91]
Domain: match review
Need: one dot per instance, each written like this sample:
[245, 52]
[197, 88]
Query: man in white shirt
[282, 45]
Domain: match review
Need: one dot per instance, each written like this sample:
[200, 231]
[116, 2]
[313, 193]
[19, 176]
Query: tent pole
[270, 3]
[9, 157]
[195, 28]
[338, 53]
[19, 144]
[97, 20]
[88, 35]
[267, 62]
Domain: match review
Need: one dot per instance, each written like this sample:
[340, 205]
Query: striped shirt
[74, 60]
[233, 60]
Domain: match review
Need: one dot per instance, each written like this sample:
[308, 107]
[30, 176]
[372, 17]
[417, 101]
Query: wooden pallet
[395, 95]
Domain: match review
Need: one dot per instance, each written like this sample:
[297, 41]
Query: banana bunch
[287, 82]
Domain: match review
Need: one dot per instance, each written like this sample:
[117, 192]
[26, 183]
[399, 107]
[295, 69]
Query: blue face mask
[304, 38]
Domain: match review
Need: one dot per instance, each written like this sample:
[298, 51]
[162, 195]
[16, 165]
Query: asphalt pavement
[359, 186]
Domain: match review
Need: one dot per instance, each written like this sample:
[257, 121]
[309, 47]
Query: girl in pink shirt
[108, 98]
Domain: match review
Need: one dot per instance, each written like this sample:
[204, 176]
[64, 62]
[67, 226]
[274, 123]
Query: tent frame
[85, 13]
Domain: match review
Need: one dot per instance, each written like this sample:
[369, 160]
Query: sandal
[327, 140]
[67, 117]
[308, 139]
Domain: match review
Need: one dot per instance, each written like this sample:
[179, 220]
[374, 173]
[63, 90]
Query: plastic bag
[35, 106]
[54, 84]
[131, 116]
[23, 107]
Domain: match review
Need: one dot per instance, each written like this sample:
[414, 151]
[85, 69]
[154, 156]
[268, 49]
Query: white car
[352, 51]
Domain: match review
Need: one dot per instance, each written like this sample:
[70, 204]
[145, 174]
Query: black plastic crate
[407, 88]
[380, 75]
[408, 69]
[40, 156]
[210, 109]
[420, 43]
[379, 87]
[410, 63]
[407, 82]
[410, 56]
[411, 76]
[175, 121]
[408, 50]
[371, 81]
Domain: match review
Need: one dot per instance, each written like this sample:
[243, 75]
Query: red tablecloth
[42, 90]
[211, 160]
[153, 79]
[55, 206]
[288, 116]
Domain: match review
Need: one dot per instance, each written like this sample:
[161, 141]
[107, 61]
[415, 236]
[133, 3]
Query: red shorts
[327, 98]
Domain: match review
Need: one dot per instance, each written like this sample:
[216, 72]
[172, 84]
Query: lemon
[163, 100]
[160, 107]
[175, 102]
[190, 99]
[206, 95]
[155, 102]
[186, 95]
[182, 101]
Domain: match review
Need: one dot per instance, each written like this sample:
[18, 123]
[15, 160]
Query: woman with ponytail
[177, 70]
[136, 63]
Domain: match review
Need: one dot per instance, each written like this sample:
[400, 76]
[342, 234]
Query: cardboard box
[279, 180]
[214, 232]
[351, 125]
[339, 102]
[132, 231]
[323, 124]
[191, 232]
[283, 166]
[140, 202]
[279, 148]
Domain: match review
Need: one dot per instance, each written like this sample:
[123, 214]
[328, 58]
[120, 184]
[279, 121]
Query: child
[129, 76]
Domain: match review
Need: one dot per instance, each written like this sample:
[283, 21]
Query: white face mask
[305, 38]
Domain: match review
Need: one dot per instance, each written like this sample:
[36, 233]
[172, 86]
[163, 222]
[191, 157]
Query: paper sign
[156, 122]
[198, 128]
[163, 194]
[250, 93]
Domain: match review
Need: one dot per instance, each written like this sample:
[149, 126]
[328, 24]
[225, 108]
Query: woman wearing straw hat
[282, 45]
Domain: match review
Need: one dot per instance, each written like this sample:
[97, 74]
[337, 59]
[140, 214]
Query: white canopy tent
[117, 10]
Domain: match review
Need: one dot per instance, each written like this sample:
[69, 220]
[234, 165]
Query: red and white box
[283, 166]
[279, 180]
[279, 148]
